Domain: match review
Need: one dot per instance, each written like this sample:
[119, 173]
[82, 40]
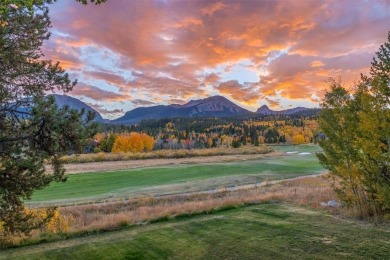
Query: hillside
[75, 103]
[217, 106]
[214, 106]
[265, 110]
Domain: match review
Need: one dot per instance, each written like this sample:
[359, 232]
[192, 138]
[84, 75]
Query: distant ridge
[217, 106]
[264, 110]
[214, 106]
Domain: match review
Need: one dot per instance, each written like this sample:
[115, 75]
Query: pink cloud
[171, 47]
[97, 94]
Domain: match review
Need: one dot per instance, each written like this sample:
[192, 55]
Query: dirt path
[132, 164]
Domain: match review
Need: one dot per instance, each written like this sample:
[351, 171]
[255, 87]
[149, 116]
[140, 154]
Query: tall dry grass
[167, 153]
[306, 192]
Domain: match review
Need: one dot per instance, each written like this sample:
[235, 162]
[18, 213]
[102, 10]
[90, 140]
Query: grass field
[264, 231]
[305, 148]
[184, 178]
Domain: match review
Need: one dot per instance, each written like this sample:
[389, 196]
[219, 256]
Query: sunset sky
[127, 53]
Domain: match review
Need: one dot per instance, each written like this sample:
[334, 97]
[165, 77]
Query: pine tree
[32, 129]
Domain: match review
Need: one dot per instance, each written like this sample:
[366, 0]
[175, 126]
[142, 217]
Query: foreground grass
[264, 231]
[83, 219]
[102, 185]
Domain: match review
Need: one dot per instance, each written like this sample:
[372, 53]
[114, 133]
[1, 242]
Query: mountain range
[264, 110]
[214, 106]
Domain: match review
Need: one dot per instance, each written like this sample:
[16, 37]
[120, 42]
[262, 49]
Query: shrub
[96, 150]
[236, 144]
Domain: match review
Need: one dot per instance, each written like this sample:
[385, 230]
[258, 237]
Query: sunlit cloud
[108, 112]
[247, 93]
[97, 94]
[254, 52]
[141, 102]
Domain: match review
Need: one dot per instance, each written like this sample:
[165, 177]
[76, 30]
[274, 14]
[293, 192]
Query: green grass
[102, 185]
[311, 148]
[265, 231]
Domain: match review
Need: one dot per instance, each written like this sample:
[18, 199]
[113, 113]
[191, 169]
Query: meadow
[102, 186]
[194, 212]
[265, 231]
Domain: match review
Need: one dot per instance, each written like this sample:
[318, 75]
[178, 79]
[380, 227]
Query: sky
[133, 53]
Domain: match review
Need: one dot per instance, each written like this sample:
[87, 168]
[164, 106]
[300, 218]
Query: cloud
[177, 101]
[184, 48]
[273, 103]
[65, 49]
[96, 93]
[317, 63]
[298, 76]
[211, 78]
[246, 94]
[142, 102]
[112, 78]
[100, 108]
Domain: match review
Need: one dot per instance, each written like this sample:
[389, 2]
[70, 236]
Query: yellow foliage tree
[298, 139]
[148, 142]
[133, 142]
[136, 145]
[209, 142]
[121, 144]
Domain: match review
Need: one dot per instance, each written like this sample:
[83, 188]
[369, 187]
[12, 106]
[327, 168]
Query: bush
[236, 144]
[96, 150]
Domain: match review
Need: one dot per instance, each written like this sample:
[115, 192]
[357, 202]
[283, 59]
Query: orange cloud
[169, 46]
[211, 78]
[211, 9]
[114, 79]
[96, 93]
[317, 63]
[239, 92]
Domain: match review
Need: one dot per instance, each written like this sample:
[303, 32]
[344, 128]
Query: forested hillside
[190, 133]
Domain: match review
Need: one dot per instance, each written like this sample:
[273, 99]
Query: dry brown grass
[310, 191]
[161, 154]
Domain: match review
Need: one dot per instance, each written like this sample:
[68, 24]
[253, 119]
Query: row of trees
[357, 147]
[248, 131]
[217, 132]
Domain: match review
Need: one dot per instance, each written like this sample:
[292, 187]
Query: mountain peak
[211, 99]
[217, 98]
[215, 106]
[75, 103]
[264, 110]
[264, 107]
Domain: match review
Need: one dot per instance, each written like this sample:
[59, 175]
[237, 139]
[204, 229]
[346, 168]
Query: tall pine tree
[33, 130]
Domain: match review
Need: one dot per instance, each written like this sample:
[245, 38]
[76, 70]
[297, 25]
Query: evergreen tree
[32, 129]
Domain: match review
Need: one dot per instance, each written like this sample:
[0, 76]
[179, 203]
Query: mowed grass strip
[264, 231]
[93, 184]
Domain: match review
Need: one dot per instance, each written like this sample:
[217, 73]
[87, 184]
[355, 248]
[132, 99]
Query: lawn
[102, 185]
[263, 231]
